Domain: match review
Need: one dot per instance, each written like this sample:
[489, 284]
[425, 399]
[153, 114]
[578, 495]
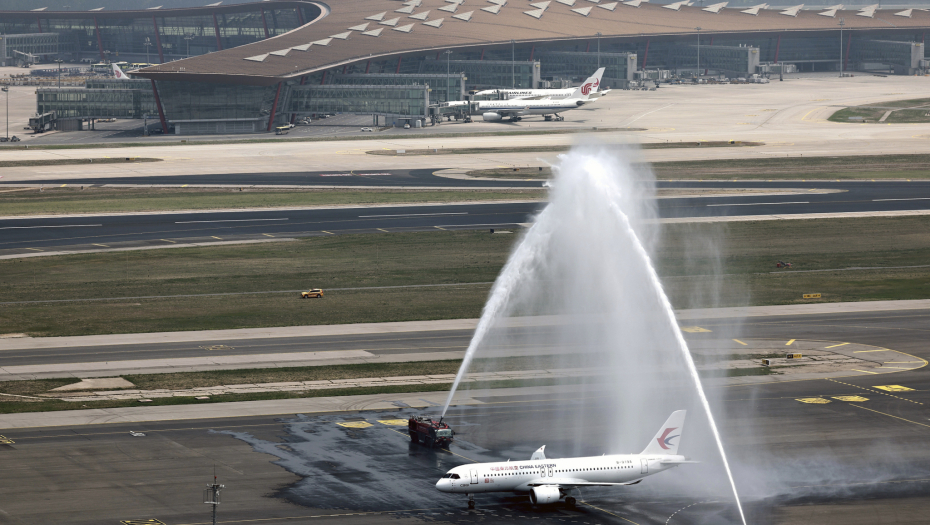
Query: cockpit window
[455, 476]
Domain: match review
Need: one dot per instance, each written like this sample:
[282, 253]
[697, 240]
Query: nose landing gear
[471, 502]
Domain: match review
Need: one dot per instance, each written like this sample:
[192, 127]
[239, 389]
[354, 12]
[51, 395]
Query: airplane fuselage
[521, 476]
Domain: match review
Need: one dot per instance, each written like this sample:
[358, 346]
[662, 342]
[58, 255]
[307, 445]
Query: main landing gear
[570, 501]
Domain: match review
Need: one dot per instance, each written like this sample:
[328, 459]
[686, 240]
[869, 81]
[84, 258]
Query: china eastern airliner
[549, 480]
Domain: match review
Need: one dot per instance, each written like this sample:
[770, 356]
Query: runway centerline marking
[756, 203]
[229, 220]
[51, 226]
[910, 199]
[414, 215]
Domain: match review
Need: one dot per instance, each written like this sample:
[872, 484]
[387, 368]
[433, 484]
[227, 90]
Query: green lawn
[94, 199]
[767, 168]
[703, 265]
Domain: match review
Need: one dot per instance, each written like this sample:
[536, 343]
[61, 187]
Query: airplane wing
[569, 483]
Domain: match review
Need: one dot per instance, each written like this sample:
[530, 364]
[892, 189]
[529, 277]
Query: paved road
[95, 232]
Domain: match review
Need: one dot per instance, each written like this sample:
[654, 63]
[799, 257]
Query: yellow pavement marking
[889, 415]
[185, 185]
[268, 235]
[395, 422]
[166, 240]
[6, 441]
[324, 231]
[63, 185]
[438, 228]
[104, 245]
[215, 237]
[814, 400]
[865, 371]
[876, 391]
[857, 399]
[382, 230]
[895, 388]
[789, 342]
[896, 367]
[841, 344]
[901, 362]
[740, 342]
[694, 329]
[355, 424]
[867, 351]
[36, 249]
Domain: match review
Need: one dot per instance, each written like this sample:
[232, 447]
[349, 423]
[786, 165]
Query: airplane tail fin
[590, 85]
[668, 437]
[118, 73]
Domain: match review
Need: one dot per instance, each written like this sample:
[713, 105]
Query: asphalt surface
[832, 463]
[96, 231]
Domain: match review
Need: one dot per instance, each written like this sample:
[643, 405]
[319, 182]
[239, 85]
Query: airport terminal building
[251, 67]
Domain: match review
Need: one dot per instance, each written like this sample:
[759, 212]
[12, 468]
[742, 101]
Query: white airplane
[549, 480]
[515, 110]
[118, 73]
[589, 89]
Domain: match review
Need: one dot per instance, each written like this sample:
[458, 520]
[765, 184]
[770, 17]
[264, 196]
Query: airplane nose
[444, 485]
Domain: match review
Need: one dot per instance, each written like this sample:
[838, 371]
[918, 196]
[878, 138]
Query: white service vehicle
[549, 480]
[589, 89]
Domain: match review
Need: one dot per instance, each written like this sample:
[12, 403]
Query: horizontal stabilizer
[677, 462]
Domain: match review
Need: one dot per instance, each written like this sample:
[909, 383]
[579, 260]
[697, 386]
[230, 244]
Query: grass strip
[702, 265]
[903, 112]
[24, 405]
[97, 199]
[856, 167]
[375, 136]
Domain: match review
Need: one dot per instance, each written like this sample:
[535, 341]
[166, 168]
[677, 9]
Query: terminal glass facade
[619, 67]
[39, 44]
[740, 60]
[404, 101]
[442, 88]
[488, 73]
[202, 101]
[96, 103]
[152, 38]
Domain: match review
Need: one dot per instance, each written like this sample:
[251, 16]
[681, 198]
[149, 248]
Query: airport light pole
[211, 496]
[598, 34]
[189, 37]
[59, 61]
[842, 23]
[147, 44]
[513, 64]
[6, 89]
[448, 88]
[698, 29]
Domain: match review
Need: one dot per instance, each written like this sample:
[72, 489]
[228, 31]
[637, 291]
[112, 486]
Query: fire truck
[431, 433]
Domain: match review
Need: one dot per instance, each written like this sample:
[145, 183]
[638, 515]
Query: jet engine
[545, 495]
[491, 117]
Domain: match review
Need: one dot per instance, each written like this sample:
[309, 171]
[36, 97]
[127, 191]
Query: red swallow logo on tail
[665, 438]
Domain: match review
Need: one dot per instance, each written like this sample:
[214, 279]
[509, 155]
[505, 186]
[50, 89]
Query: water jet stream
[590, 190]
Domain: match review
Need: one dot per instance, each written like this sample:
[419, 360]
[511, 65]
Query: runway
[82, 232]
[842, 462]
